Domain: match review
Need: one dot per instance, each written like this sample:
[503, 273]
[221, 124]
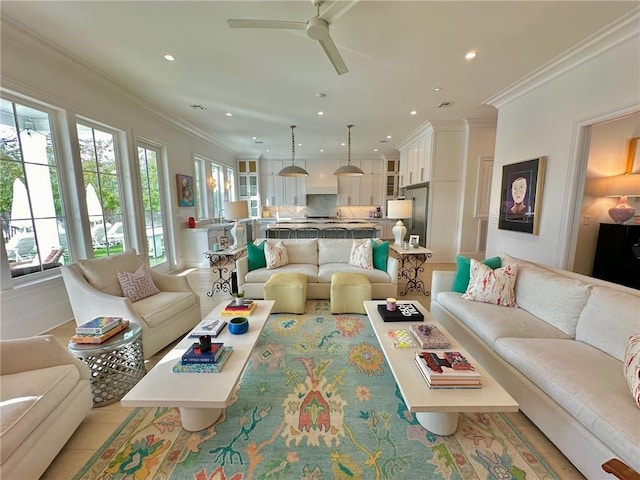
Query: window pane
[150, 185]
[30, 201]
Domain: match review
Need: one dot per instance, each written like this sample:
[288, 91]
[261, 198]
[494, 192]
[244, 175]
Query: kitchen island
[312, 228]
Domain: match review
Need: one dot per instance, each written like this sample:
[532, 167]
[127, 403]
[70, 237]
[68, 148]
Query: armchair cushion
[156, 309]
[137, 285]
[102, 274]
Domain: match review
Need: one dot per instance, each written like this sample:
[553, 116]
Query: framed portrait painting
[521, 195]
[185, 190]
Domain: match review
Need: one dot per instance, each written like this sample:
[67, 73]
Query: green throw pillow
[380, 255]
[255, 254]
[463, 271]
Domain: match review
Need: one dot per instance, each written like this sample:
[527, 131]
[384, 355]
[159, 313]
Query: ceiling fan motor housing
[317, 28]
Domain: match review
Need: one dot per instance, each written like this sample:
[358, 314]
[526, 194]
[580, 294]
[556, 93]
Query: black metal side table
[411, 261]
[116, 365]
[223, 262]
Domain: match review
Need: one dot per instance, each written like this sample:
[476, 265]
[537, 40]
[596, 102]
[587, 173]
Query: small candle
[391, 304]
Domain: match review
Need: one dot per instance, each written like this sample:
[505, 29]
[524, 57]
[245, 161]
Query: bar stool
[335, 232]
[365, 232]
[279, 232]
[308, 232]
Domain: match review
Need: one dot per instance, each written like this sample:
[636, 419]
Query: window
[148, 159]
[211, 189]
[230, 190]
[104, 202]
[33, 223]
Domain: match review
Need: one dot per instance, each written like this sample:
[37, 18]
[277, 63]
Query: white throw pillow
[492, 286]
[137, 285]
[631, 366]
[361, 254]
[275, 255]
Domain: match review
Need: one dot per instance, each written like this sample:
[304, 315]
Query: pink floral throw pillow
[138, 285]
[275, 255]
[631, 366]
[492, 286]
[361, 254]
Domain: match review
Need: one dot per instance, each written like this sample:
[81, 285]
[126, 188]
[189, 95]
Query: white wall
[34, 70]
[546, 116]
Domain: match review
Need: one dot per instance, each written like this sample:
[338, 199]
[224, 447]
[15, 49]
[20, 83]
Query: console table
[222, 263]
[411, 261]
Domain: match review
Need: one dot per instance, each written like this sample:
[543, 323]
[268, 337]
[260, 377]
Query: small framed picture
[414, 240]
[185, 190]
[224, 242]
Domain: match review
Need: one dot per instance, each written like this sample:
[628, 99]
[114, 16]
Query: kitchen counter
[322, 225]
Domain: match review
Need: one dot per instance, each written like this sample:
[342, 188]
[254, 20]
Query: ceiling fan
[317, 27]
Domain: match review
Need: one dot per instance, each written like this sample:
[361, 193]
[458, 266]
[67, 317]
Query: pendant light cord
[293, 145]
[349, 147]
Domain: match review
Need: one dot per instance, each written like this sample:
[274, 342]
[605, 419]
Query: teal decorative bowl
[238, 325]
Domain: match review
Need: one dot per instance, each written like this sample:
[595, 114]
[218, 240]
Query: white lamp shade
[236, 210]
[623, 186]
[400, 209]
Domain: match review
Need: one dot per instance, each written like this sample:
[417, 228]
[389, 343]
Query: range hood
[322, 189]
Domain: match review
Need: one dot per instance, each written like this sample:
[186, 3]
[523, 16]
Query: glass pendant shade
[293, 170]
[349, 170]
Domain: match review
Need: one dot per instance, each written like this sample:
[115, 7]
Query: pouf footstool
[289, 290]
[349, 291]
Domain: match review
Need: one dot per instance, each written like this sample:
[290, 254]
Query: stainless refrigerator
[417, 225]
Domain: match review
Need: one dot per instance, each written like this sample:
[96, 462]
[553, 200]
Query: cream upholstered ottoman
[348, 292]
[289, 290]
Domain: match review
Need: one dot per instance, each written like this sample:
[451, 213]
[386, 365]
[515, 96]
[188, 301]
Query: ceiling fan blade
[249, 23]
[334, 55]
[338, 8]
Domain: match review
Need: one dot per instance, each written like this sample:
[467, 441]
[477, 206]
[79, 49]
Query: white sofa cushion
[299, 250]
[608, 320]
[275, 255]
[27, 398]
[163, 306]
[586, 382]
[334, 251]
[261, 275]
[102, 273]
[374, 276]
[491, 322]
[554, 298]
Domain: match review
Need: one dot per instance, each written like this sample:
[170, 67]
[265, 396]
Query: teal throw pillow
[463, 271]
[255, 254]
[380, 255]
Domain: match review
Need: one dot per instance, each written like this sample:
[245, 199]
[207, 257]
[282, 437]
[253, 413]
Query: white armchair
[94, 290]
[45, 396]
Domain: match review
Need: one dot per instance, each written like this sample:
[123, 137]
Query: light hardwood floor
[101, 422]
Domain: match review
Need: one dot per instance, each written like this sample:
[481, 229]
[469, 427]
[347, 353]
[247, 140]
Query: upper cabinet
[367, 190]
[277, 190]
[248, 185]
[415, 158]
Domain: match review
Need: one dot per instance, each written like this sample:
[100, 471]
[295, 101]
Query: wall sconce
[622, 186]
[212, 183]
[228, 185]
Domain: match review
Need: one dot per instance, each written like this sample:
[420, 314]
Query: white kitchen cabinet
[371, 190]
[349, 190]
[367, 189]
[277, 190]
[196, 241]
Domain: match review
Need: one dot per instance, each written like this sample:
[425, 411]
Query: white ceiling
[397, 52]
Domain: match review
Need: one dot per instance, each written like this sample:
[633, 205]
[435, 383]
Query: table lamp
[237, 211]
[623, 186]
[399, 209]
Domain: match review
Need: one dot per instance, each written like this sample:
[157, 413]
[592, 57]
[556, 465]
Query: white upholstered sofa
[45, 396]
[559, 355]
[317, 258]
[94, 290]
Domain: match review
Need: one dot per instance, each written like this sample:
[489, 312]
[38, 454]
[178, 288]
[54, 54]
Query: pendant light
[349, 170]
[292, 170]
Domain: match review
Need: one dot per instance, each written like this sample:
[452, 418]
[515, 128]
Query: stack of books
[447, 370]
[99, 330]
[243, 310]
[194, 360]
[429, 336]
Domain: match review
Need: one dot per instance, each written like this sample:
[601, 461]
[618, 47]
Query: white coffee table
[201, 397]
[436, 409]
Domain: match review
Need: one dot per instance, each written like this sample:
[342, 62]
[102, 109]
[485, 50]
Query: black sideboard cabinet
[618, 254]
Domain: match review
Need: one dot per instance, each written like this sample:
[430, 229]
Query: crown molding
[604, 39]
[23, 37]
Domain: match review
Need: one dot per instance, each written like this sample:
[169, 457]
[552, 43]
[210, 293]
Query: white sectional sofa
[317, 258]
[559, 355]
[45, 396]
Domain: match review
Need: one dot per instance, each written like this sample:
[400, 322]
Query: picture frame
[224, 242]
[521, 195]
[184, 187]
[414, 240]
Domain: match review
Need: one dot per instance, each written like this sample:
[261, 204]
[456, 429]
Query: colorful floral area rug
[316, 402]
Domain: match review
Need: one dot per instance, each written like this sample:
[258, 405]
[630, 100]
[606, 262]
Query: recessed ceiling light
[471, 54]
[413, 112]
[343, 144]
[229, 114]
[254, 138]
[169, 58]
[267, 150]
[299, 144]
[320, 113]
[437, 89]
[375, 149]
[322, 150]
[388, 137]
